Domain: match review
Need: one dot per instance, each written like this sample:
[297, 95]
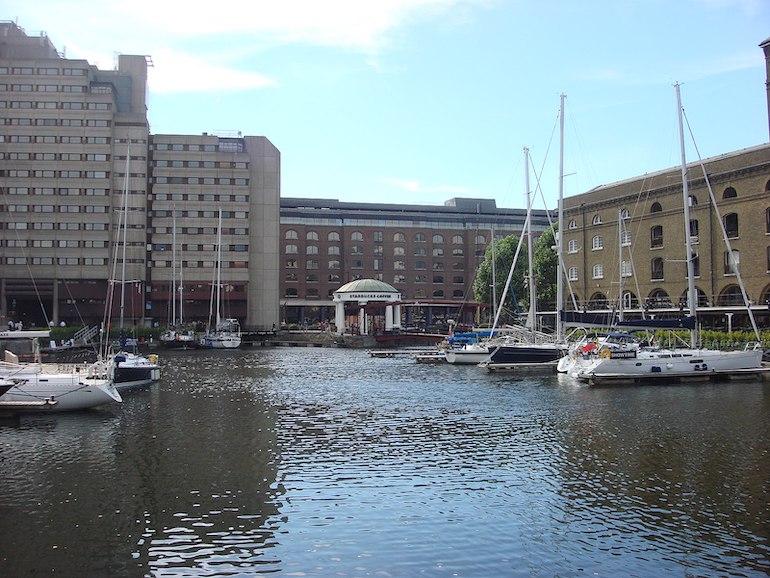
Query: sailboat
[657, 364]
[177, 336]
[528, 346]
[225, 333]
[36, 386]
[129, 369]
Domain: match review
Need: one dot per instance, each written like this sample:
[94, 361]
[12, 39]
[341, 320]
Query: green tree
[546, 264]
[517, 297]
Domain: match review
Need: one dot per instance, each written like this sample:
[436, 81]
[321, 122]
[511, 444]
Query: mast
[494, 278]
[530, 257]
[692, 296]
[219, 266]
[620, 262]
[125, 238]
[172, 293]
[560, 225]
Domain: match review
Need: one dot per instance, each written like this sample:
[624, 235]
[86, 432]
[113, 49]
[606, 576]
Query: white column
[362, 321]
[388, 317]
[339, 317]
[397, 316]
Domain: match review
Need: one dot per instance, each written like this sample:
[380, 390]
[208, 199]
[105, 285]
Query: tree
[546, 264]
[503, 251]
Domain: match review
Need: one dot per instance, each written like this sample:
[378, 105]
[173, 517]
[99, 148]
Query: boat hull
[522, 353]
[667, 365]
[467, 356]
[70, 392]
[133, 370]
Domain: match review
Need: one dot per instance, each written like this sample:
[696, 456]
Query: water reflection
[322, 462]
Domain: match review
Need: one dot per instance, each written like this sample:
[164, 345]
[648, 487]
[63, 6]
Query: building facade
[428, 253]
[629, 238]
[88, 198]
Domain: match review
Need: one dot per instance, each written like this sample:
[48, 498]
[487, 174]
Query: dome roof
[368, 285]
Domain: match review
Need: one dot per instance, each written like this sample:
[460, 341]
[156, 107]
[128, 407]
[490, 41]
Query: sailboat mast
[530, 257]
[494, 275]
[560, 225]
[172, 293]
[691, 293]
[620, 263]
[219, 264]
[125, 237]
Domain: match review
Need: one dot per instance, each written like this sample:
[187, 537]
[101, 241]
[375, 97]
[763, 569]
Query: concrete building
[69, 187]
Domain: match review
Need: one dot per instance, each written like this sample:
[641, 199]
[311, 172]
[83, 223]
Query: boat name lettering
[623, 354]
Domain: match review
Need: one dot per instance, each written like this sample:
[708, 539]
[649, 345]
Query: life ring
[605, 354]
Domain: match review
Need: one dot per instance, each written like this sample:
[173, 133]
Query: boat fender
[605, 354]
[120, 358]
[153, 358]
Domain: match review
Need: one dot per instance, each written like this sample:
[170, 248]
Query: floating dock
[546, 367]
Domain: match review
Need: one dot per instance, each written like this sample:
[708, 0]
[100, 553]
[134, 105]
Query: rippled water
[326, 462]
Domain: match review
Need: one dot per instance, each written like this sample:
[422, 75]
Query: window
[333, 236]
[598, 271]
[291, 249]
[480, 239]
[438, 252]
[625, 238]
[420, 252]
[572, 246]
[377, 236]
[311, 264]
[624, 214]
[693, 201]
[311, 236]
[457, 240]
[438, 278]
[731, 261]
[656, 236]
[419, 238]
[572, 224]
[291, 234]
[731, 225]
[729, 193]
[356, 250]
[399, 265]
[597, 243]
[597, 220]
[656, 207]
[656, 269]
[696, 266]
[767, 220]
[572, 274]
[694, 237]
[399, 238]
[626, 270]
[311, 250]
[333, 250]
[398, 251]
[438, 266]
[356, 236]
[420, 265]
[334, 264]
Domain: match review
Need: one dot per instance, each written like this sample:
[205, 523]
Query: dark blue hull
[526, 354]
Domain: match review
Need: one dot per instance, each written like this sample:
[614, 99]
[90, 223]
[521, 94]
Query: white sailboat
[658, 364]
[36, 386]
[225, 333]
[129, 369]
[177, 336]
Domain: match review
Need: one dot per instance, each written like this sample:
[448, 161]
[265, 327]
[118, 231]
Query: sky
[420, 101]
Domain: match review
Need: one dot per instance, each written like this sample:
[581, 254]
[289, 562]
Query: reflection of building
[428, 253]
[652, 238]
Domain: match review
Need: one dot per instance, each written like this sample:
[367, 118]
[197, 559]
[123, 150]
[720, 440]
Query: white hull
[667, 364]
[221, 341]
[71, 390]
[469, 355]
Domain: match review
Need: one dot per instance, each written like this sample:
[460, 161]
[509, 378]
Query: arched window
[420, 265]
[703, 300]
[311, 250]
[598, 301]
[438, 278]
[597, 220]
[656, 207]
[731, 261]
[731, 225]
[480, 239]
[572, 246]
[626, 269]
[438, 252]
[656, 236]
[333, 250]
[630, 301]
[291, 234]
[356, 236]
[438, 292]
[356, 250]
[311, 264]
[440, 239]
[458, 293]
[572, 224]
[333, 236]
[624, 214]
[658, 298]
[457, 240]
[311, 236]
[656, 269]
[598, 271]
[597, 243]
[398, 251]
[291, 249]
[693, 201]
[399, 237]
[572, 274]
[334, 264]
[730, 295]
[311, 278]
[729, 193]
[419, 237]
[420, 251]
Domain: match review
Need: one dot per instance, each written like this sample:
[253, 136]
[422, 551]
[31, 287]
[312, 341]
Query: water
[326, 462]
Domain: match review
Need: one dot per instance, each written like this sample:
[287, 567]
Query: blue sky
[419, 101]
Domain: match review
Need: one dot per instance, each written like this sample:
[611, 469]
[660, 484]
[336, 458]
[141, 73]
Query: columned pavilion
[367, 295]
